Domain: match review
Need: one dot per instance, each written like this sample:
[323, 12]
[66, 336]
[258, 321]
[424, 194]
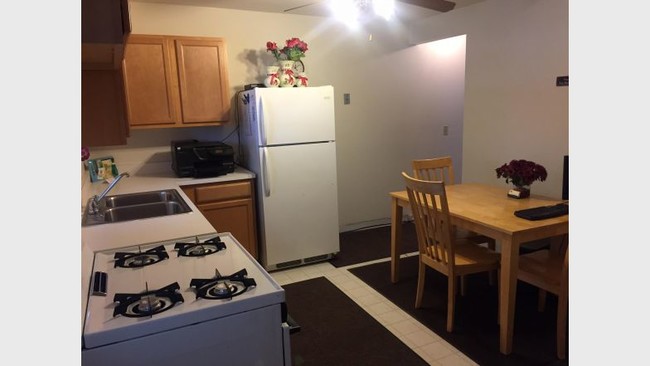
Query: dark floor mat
[334, 330]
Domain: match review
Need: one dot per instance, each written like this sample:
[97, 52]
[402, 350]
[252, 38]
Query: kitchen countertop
[142, 178]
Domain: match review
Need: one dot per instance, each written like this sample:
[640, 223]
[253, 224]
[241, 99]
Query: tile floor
[435, 350]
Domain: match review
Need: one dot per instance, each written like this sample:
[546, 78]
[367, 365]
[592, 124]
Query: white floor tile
[380, 308]
[455, 360]
[421, 338]
[407, 326]
[437, 350]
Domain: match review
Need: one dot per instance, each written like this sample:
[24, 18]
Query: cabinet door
[150, 82]
[235, 216]
[103, 122]
[203, 79]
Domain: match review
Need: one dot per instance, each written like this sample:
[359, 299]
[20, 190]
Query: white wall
[401, 96]
[513, 110]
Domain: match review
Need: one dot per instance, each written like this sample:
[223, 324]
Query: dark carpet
[361, 246]
[476, 332]
[334, 330]
[364, 245]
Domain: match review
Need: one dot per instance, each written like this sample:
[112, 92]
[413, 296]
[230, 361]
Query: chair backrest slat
[435, 169]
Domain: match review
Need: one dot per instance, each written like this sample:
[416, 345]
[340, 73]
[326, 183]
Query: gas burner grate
[222, 287]
[140, 259]
[147, 303]
[197, 249]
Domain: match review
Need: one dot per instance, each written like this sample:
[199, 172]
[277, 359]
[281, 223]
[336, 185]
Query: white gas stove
[196, 300]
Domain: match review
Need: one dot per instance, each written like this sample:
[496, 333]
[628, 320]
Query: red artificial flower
[293, 50]
[85, 153]
[296, 43]
[273, 48]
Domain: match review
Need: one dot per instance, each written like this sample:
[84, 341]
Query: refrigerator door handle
[265, 174]
[262, 123]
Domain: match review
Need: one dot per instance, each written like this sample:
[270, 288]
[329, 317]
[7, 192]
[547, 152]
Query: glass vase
[519, 192]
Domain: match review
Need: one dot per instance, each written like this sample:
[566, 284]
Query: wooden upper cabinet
[104, 26]
[103, 119]
[174, 81]
[203, 79]
[150, 85]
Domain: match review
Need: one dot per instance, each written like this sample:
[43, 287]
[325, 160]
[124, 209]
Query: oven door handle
[286, 343]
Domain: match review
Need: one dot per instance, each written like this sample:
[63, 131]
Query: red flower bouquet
[293, 50]
[521, 172]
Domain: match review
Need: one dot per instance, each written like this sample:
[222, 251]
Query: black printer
[191, 158]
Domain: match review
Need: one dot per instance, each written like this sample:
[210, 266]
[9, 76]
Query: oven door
[244, 339]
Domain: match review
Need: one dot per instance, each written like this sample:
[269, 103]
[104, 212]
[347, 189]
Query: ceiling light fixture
[353, 12]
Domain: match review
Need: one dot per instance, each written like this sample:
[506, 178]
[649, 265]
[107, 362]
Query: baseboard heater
[300, 262]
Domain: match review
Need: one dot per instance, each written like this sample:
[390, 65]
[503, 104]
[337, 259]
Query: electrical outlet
[445, 130]
[346, 98]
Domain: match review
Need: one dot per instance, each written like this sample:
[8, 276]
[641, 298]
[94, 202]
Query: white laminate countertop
[142, 178]
[149, 178]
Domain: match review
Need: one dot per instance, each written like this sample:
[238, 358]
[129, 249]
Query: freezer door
[294, 115]
[298, 202]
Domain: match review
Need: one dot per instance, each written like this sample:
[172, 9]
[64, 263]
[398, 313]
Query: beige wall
[513, 110]
[401, 96]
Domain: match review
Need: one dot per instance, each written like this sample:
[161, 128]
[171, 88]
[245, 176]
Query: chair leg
[498, 295]
[562, 309]
[420, 289]
[541, 300]
[451, 297]
[462, 285]
[492, 245]
[491, 277]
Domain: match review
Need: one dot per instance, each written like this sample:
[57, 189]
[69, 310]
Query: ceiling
[404, 12]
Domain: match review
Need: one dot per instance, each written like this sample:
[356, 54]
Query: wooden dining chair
[442, 169]
[549, 272]
[437, 169]
[438, 249]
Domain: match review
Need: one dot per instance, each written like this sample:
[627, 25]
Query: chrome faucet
[94, 202]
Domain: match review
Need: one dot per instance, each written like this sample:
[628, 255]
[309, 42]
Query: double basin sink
[135, 206]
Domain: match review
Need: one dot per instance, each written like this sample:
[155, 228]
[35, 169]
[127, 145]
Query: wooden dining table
[487, 210]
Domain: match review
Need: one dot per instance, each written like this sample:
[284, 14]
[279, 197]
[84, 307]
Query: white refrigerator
[288, 141]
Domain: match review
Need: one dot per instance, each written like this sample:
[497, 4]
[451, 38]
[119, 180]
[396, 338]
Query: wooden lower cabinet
[229, 207]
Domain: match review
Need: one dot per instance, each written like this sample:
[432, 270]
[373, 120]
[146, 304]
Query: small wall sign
[562, 81]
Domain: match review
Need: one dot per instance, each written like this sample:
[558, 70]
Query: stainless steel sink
[142, 198]
[135, 206]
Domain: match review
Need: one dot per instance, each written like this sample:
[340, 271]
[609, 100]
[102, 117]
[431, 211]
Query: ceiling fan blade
[301, 6]
[437, 5]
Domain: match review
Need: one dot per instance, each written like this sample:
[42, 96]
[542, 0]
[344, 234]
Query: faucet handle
[93, 205]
